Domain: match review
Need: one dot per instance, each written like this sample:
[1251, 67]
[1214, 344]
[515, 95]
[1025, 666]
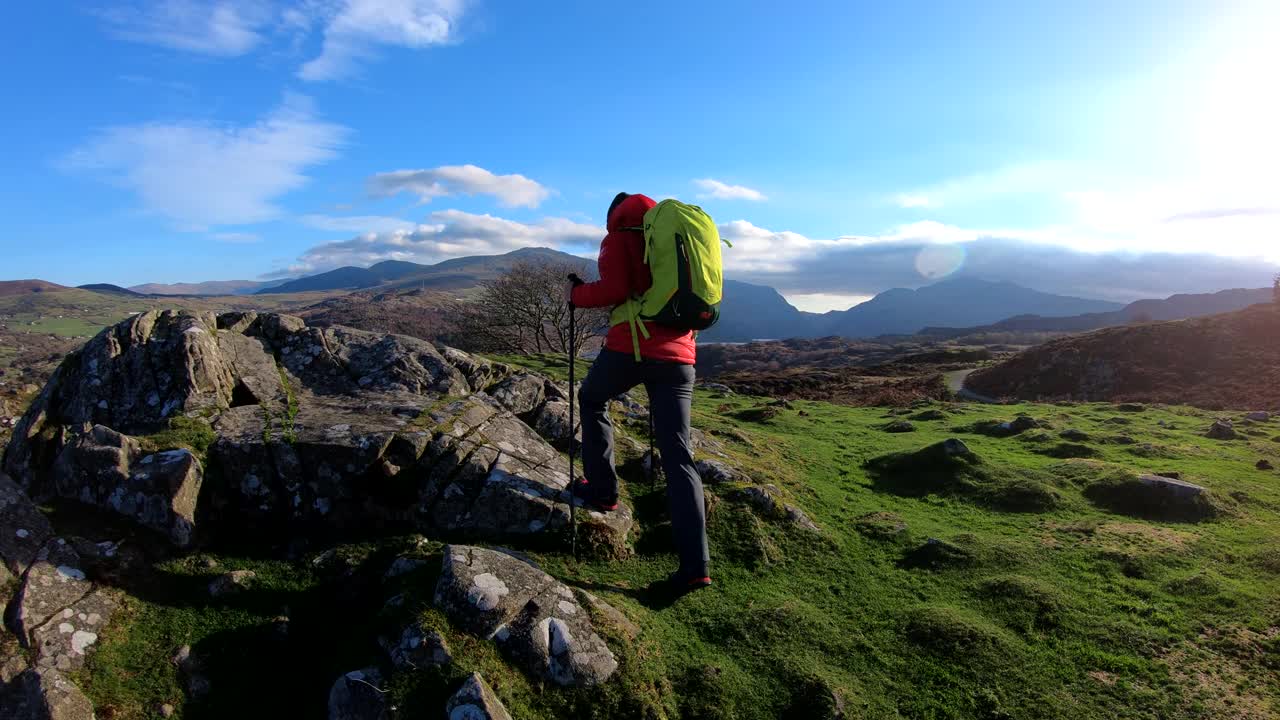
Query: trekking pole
[653, 459]
[573, 363]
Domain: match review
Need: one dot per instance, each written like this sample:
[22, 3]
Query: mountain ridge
[1175, 307]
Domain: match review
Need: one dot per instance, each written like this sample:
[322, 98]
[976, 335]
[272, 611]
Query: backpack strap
[638, 330]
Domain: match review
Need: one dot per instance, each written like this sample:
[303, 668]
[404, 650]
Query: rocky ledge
[200, 425]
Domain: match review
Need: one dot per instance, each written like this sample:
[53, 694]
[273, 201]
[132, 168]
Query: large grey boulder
[521, 393]
[475, 701]
[552, 422]
[46, 695]
[102, 467]
[346, 430]
[23, 528]
[358, 695]
[536, 621]
[54, 582]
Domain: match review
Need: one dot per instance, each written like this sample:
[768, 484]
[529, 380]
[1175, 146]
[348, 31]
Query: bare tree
[524, 311]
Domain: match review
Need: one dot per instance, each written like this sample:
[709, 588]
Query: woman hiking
[660, 358]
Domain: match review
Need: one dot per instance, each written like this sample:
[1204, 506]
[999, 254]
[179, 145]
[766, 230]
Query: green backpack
[682, 250]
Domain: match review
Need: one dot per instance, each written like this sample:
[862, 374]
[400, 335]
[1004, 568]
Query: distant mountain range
[457, 274]
[951, 308]
[752, 312]
[1176, 307]
[213, 287]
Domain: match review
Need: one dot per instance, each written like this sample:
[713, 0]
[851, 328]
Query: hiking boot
[676, 585]
[585, 493]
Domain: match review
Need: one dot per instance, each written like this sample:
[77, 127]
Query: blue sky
[1114, 149]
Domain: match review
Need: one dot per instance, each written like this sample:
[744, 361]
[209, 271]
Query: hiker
[641, 352]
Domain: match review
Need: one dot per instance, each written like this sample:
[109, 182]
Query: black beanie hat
[617, 200]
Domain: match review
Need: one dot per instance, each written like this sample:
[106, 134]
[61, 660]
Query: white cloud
[359, 26]
[223, 27]
[355, 223]
[199, 174]
[352, 30]
[723, 191]
[510, 190]
[1062, 259]
[448, 234]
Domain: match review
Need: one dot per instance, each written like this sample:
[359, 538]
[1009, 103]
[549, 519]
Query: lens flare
[939, 261]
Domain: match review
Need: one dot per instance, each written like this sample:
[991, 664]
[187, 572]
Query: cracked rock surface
[312, 429]
[536, 620]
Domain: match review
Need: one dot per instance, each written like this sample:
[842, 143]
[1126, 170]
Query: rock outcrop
[46, 695]
[537, 622]
[24, 530]
[1222, 430]
[475, 701]
[195, 424]
[358, 695]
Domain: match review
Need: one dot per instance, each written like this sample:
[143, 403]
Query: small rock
[717, 387]
[1222, 430]
[1023, 423]
[166, 710]
[419, 648]
[403, 566]
[796, 516]
[358, 695]
[231, 583]
[1074, 435]
[715, 472]
[900, 426]
[1131, 407]
[934, 414]
[475, 701]
[952, 447]
[1258, 416]
[208, 563]
[390, 469]
[1265, 465]
[192, 671]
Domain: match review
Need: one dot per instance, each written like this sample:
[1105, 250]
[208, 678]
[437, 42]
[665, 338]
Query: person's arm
[614, 285]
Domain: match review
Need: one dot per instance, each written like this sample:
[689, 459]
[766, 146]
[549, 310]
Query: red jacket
[623, 273]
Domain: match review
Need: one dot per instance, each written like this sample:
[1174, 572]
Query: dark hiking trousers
[670, 387]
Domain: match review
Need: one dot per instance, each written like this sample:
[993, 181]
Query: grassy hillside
[1001, 591]
[1221, 361]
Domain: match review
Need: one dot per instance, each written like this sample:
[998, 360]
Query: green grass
[193, 434]
[1030, 601]
[553, 365]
